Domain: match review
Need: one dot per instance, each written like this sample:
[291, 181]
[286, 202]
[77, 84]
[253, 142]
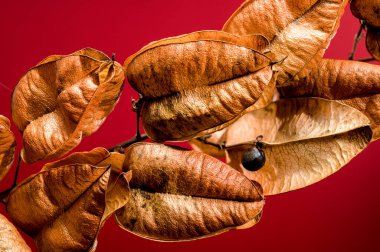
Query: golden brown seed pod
[368, 10]
[195, 85]
[179, 194]
[299, 31]
[353, 83]
[304, 141]
[64, 206]
[63, 99]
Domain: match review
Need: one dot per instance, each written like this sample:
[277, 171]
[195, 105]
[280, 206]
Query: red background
[341, 213]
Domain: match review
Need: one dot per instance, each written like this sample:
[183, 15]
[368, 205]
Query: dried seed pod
[299, 36]
[372, 42]
[368, 10]
[10, 239]
[255, 41]
[63, 99]
[195, 85]
[64, 206]
[183, 195]
[353, 83]
[304, 140]
[7, 146]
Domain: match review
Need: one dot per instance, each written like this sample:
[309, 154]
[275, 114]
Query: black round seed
[253, 159]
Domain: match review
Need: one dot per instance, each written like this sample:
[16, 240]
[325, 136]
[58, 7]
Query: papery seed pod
[304, 140]
[178, 194]
[195, 86]
[63, 99]
[299, 31]
[368, 10]
[64, 206]
[353, 83]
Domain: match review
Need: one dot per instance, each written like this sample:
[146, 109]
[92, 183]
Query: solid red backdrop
[340, 213]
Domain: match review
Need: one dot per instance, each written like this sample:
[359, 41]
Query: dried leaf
[373, 42]
[299, 31]
[353, 83]
[10, 239]
[368, 10]
[179, 194]
[7, 146]
[195, 85]
[305, 140]
[64, 206]
[63, 99]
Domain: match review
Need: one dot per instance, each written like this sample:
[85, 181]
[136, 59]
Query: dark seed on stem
[253, 159]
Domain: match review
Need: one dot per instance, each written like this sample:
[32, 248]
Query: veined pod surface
[299, 31]
[197, 86]
[63, 99]
[180, 194]
[64, 206]
[353, 83]
[367, 10]
[10, 238]
[304, 141]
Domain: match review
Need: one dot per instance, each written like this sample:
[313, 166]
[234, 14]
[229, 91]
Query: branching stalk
[367, 60]
[136, 107]
[120, 147]
[204, 140]
[357, 38]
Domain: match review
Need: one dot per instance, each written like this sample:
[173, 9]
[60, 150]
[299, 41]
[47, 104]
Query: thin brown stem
[17, 170]
[357, 38]
[279, 61]
[367, 60]
[136, 107]
[203, 139]
[120, 147]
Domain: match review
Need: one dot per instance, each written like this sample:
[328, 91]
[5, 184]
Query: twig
[367, 60]
[136, 107]
[203, 139]
[279, 61]
[357, 38]
[120, 147]
[17, 170]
